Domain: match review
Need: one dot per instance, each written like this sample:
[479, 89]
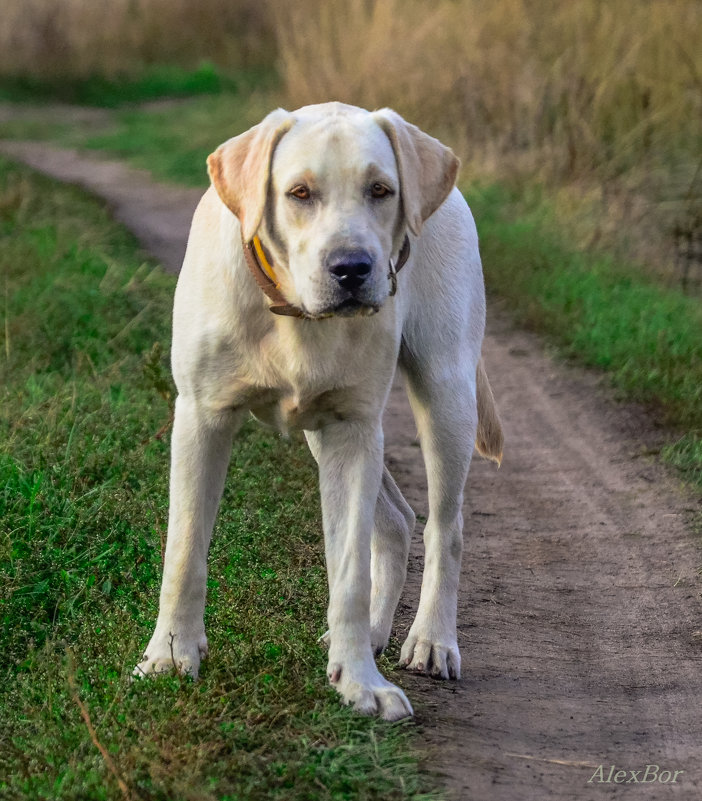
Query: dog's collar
[262, 270]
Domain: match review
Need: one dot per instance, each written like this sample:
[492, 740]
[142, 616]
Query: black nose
[350, 267]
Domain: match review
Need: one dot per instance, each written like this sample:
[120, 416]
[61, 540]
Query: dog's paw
[174, 650]
[430, 652]
[362, 686]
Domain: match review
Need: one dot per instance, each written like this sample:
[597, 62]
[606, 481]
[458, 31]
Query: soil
[579, 613]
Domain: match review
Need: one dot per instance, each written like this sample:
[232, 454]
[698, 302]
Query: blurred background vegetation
[601, 101]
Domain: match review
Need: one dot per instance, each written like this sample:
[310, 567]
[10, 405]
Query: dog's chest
[311, 382]
[291, 411]
[303, 376]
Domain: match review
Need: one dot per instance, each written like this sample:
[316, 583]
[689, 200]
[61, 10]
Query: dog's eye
[300, 192]
[379, 190]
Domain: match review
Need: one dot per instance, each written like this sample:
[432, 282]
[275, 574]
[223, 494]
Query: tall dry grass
[75, 39]
[596, 81]
[605, 93]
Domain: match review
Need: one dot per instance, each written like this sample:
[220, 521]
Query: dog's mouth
[352, 307]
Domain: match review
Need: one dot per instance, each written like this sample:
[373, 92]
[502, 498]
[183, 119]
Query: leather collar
[264, 274]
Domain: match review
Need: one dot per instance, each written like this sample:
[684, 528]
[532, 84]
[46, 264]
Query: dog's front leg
[200, 451]
[350, 468]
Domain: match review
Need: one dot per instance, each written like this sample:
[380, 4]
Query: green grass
[85, 397]
[152, 83]
[173, 143]
[605, 314]
[685, 453]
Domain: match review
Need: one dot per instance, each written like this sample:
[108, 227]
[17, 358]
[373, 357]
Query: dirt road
[580, 619]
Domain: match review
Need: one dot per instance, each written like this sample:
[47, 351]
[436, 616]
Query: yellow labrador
[331, 247]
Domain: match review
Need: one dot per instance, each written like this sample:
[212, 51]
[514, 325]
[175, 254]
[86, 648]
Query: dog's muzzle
[350, 268]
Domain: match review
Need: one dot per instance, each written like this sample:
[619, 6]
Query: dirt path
[580, 616]
[158, 214]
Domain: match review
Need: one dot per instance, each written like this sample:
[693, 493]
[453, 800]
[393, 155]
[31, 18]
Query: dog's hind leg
[390, 543]
[445, 410]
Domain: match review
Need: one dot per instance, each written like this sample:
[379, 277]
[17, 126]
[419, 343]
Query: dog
[331, 248]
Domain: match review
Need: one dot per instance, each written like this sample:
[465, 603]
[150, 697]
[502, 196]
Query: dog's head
[331, 191]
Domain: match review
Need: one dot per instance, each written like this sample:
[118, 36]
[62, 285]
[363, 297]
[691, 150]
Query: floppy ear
[240, 169]
[427, 168]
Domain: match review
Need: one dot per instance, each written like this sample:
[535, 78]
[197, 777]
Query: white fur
[331, 378]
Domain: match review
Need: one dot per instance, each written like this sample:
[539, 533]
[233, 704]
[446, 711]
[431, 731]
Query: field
[599, 308]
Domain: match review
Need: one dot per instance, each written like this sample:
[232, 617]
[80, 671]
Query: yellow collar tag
[263, 261]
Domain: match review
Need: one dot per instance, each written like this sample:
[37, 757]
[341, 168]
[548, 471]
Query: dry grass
[82, 38]
[591, 82]
[607, 95]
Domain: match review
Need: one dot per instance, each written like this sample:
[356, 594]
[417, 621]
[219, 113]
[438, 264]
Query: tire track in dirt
[579, 610]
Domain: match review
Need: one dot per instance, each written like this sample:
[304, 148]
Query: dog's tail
[489, 440]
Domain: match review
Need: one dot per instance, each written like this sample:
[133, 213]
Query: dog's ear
[427, 168]
[240, 169]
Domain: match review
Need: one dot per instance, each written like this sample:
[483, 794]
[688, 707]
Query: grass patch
[85, 393]
[174, 142]
[171, 140]
[153, 83]
[603, 313]
[686, 455]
